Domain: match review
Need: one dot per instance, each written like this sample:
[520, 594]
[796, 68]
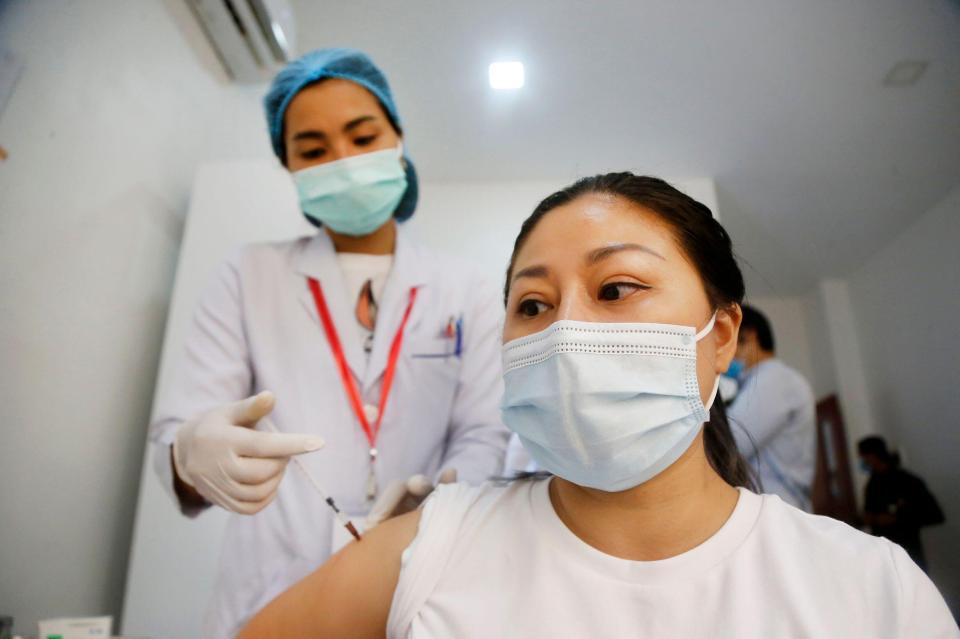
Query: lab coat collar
[318, 259]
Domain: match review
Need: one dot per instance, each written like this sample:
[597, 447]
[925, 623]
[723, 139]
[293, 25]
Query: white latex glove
[229, 463]
[403, 496]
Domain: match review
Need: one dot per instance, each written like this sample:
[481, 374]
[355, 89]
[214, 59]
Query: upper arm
[348, 596]
[213, 365]
[216, 356]
[923, 506]
[211, 368]
[924, 612]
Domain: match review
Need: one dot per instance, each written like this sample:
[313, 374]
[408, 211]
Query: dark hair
[708, 247]
[754, 320]
[874, 445]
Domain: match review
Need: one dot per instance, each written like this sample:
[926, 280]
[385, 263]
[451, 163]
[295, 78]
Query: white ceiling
[817, 163]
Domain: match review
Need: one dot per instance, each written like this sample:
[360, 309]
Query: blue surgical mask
[355, 195]
[737, 368]
[605, 405]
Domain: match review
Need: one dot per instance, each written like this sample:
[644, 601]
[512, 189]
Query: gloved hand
[229, 463]
[403, 496]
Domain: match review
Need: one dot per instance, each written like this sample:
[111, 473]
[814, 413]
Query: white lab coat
[773, 419]
[256, 328]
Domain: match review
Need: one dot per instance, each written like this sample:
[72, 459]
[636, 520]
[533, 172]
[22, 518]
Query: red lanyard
[349, 384]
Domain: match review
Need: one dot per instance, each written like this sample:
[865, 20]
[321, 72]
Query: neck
[668, 515]
[383, 241]
[762, 356]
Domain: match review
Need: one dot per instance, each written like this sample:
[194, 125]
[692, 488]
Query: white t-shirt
[357, 268]
[776, 407]
[496, 561]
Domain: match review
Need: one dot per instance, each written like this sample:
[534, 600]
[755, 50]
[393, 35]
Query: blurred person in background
[773, 415]
[897, 503]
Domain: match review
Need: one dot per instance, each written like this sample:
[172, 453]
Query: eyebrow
[604, 252]
[320, 135]
[310, 135]
[593, 257]
[354, 123]
[530, 271]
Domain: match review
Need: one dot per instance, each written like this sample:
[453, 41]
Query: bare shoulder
[349, 595]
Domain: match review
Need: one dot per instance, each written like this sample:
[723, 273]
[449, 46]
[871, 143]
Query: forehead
[591, 221]
[333, 99]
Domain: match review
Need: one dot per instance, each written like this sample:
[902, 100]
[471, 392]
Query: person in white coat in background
[377, 360]
[773, 414]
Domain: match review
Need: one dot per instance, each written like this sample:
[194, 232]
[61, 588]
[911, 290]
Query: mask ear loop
[713, 396]
[716, 384]
[706, 329]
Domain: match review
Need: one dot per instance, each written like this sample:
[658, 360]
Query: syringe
[316, 486]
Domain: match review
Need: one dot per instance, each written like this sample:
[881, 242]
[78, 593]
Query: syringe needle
[316, 486]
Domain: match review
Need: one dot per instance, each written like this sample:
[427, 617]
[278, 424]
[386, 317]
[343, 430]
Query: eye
[531, 308]
[313, 154]
[618, 290]
[365, 140]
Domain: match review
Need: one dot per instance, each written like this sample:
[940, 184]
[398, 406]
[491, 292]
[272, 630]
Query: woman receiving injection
[623, 307]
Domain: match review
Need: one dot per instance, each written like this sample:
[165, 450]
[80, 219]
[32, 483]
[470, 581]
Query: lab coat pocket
[433, 360]
[436, 348]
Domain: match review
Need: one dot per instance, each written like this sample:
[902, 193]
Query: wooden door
[832, 492]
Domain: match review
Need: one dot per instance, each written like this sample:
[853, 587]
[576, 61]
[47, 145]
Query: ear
[725, 331]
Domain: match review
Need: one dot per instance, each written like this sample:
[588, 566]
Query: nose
[576, 304]
[338, 150]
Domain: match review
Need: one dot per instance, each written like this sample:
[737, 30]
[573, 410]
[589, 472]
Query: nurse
[623, 307]
[377, 360]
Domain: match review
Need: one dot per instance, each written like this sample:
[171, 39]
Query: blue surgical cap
[346, 64]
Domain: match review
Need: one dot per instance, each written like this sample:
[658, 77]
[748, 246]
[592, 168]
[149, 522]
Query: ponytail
[722, 452]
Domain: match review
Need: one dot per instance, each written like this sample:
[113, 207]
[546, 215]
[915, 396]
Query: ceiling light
[905, 73]
[506, 75]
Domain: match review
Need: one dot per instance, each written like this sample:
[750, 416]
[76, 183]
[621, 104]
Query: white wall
[109, 120]
[478, 221]
[906, 300]
[823, 370]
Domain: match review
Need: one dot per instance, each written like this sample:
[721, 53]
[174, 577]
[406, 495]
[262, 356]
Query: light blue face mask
[355, 195]
[608, 406]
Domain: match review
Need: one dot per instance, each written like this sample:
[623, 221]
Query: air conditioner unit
[251, 37]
